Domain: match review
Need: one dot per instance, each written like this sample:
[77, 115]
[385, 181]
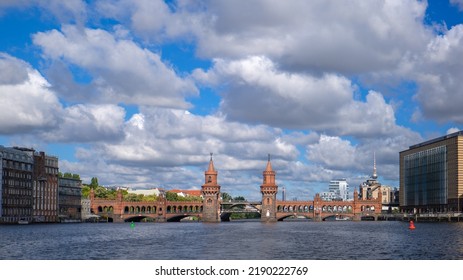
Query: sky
[139, 93]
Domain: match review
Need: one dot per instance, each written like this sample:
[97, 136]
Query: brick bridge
[213, 209]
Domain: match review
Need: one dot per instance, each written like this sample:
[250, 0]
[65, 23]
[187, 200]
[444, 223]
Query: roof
[269, 165]
[187, 192]
[211, 165]
[459, 133]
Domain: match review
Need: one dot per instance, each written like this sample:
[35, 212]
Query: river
[337, 240]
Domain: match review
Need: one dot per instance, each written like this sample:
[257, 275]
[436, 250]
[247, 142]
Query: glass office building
[430, 175]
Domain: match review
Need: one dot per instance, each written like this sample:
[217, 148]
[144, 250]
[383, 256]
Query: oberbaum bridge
[211, 208]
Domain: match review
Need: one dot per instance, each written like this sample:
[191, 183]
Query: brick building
[45, 188]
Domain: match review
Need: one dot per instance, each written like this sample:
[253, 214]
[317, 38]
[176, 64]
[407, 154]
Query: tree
[94, 183]
[150, 197]
[102, 192]
[132, 197]
[171, 196]
[226, 196]
[69, 175]
[239, 198]
[85, 191]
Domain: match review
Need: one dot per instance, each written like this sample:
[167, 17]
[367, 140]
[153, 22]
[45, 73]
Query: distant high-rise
[340, 188]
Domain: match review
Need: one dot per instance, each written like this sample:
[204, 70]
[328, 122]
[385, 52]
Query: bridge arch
[178, 218]
[307, 216]
[241, 204]
[137, 218]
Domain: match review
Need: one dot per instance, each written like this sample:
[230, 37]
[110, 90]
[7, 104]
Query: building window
[425, 177]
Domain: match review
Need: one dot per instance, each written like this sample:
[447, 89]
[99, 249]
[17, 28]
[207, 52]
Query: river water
[346, 240]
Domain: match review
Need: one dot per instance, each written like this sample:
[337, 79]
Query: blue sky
[138, 93]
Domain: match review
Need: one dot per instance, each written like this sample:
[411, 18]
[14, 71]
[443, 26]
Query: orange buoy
[412, 225]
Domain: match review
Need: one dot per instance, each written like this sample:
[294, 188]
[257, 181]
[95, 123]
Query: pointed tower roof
[269, 165]
[211, 165]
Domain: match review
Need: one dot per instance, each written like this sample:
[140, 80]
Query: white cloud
[374, 117]
[65, 11]
[13, 71]
[89, 123]
[27, 102]
[255, 91]
[174, 137]
[172, 147]
[121, 71]
[332, 152]
[299, 138]
[458, 3]
[153, 20]
[310, 36]
[29, 106]
[350, 160]
[453, 130]
[438, 73]
[318, 35]
[277, 66]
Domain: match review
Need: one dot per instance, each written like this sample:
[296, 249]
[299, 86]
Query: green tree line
[111, 194]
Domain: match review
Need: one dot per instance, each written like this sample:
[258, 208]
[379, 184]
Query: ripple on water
[234, 240]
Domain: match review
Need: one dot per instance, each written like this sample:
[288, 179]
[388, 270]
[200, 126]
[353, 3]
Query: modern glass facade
[425, 177]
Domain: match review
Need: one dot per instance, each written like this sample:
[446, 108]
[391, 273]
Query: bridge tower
[211, 195]
[269, 192]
